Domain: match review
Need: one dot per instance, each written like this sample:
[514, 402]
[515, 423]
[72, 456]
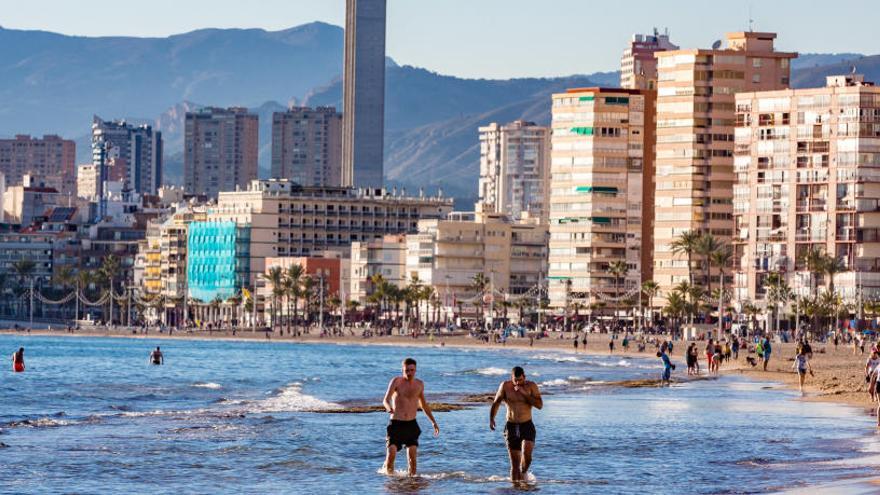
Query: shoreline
[838, 372]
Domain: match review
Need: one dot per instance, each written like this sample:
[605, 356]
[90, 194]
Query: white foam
[290, 399]
[210, 385]
[558, 382]
[491, 371]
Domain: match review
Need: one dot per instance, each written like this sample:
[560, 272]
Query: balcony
[811, 235]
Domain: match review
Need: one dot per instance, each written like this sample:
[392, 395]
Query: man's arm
[499, 397]
[427, 409]
[392, 386]
[534, 398]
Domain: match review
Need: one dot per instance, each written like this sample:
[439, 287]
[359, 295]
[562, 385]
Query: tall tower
[363, 116]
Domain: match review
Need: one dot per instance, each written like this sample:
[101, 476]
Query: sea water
[91, 415]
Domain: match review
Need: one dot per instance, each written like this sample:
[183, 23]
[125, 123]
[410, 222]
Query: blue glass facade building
[218, 260]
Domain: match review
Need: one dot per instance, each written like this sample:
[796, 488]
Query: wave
[210, 385]
[290, 399]
[491, 371]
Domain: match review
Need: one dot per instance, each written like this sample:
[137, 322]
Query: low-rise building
[385, 256]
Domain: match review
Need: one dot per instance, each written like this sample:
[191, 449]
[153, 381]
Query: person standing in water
[405, 395]
[520, 396]
[18, 360]
[802, 365]
[156, 357]
[666, 377]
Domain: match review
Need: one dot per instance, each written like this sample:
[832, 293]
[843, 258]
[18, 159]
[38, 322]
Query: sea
[91, 415]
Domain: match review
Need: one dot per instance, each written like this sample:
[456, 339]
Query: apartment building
[51, 158]
[449, 254]
[133, 153]
[220, 150]
[695, 140]
[808, 177]
[515, 169]
[385, 256]
[600, 185]
[307, 146]
[638, 66]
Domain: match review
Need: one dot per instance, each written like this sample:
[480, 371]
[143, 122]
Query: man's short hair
[518, 371]
[409, 361]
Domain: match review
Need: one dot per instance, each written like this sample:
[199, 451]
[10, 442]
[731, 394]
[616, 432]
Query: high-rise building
[220, 153]
[598, 191]
[307, 146]
[87, 181]
[638, 66]
[133, 151]
[695, 130]
[51, 159]
[515, 169]
[363, 115]
[807, 163]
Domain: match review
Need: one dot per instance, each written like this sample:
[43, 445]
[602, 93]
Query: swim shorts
[516, 433]
[402, 433]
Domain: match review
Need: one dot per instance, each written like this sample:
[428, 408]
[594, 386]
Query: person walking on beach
[611, 346]
[735, 348]
[575, 343]
[520, 396]
[710, 356]
[18, 360]
[802, 365]
[405, 395]
[156, 357]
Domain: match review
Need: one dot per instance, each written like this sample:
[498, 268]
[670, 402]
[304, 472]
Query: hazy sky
[485, 38]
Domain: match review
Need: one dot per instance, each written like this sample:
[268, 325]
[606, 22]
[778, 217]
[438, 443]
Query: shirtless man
[520, 396]
[402, 401]
[156, 357]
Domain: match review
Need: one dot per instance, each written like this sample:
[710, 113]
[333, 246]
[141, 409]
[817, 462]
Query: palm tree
[109, 272]
[275, 277]
[721, 258]
[650, 290]
[618, 269]
[831, 267]
[706, 245]
[687, 244]
[292, 282]
[813, 260]
[24, 269]
[778, 293]
[676, 307]
[478, 285]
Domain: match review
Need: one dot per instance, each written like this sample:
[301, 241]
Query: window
[756, 78]
[756, 62]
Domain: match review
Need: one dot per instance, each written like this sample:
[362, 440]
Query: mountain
[55, 83]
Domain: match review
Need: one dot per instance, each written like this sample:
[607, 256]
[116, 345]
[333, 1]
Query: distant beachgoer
[156, 357]
[405, 395]
[808, 350]
[520, 396]
[667, 369]
[691, 359]
[575, 343]
[625, 343]
[611, 346]
[710, 354]
[584, 341]
[18, 360]
[870, 379]
[765, 345]
[802, 365]
[735, 348]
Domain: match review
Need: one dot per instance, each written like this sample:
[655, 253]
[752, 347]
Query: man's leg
[515, 464]
[389, 459]
[527, 447]
[412, 454]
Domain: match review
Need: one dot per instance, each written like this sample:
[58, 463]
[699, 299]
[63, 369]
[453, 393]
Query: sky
[484, 38]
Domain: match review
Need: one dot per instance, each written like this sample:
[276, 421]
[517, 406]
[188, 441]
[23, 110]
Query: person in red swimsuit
[18, 360]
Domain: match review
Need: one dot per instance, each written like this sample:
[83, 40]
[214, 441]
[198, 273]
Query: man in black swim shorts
[402, 400]
[520, 396]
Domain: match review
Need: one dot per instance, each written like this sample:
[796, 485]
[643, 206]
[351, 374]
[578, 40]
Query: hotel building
[695, 130]
[598, 193]
[808, 176]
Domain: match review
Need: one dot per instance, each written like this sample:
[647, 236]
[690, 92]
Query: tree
[292, 288]
[687, 244]
[275, 277]
[650, 290]
[618, 269]
[676, 307]
[721, 258]
[478, 285]
[778, 293]
[707, 244]
[24, 270]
